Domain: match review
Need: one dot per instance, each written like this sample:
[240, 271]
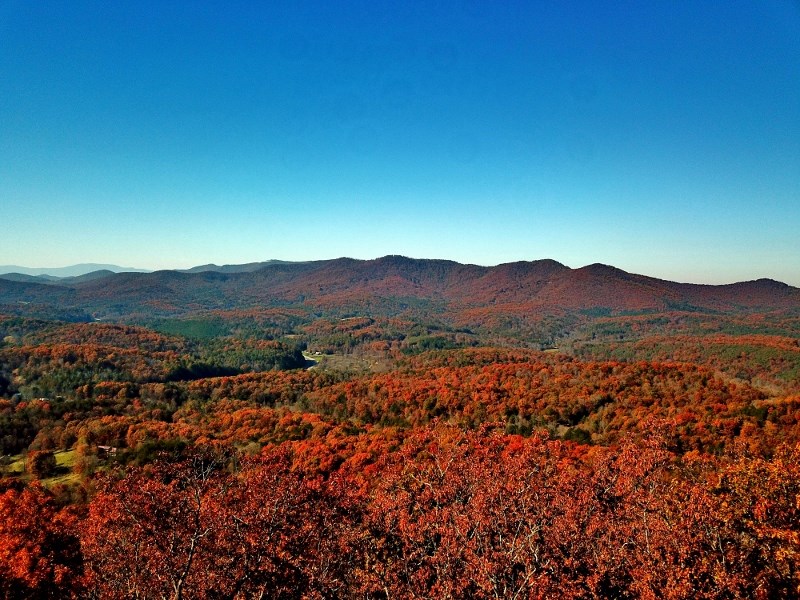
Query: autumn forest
[398, 428]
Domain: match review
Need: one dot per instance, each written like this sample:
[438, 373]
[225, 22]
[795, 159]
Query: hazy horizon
[661, 138]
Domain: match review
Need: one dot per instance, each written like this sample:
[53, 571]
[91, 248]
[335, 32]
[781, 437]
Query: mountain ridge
[21, 273]
[522, 288]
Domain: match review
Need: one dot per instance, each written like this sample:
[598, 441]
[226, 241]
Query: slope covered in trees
[186, 449]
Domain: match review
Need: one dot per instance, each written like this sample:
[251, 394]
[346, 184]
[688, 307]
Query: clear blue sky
[660, 137]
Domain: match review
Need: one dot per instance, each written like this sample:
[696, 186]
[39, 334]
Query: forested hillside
[399, 429]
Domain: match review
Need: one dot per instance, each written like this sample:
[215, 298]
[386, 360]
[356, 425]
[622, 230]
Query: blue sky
[660, 137]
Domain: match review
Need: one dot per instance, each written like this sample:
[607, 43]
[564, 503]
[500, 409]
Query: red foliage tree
[39, 549]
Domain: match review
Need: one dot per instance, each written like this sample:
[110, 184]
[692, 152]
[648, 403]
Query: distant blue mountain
[72, 271]
[245, 268]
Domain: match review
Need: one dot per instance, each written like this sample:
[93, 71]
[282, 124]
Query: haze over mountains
[69, 271]
[40, 274]
[389, 286]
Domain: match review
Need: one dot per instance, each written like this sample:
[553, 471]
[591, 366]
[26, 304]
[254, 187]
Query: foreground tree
[195, 530]
[470, 515]
[39, 547]
[146, 533]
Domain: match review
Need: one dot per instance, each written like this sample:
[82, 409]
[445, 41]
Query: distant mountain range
[71, 271]
[60, 274]
[52, 280]
[464, 295]
[245, 268]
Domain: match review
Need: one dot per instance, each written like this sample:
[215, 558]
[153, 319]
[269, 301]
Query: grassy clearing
[65, 458]
[347, 362]
[64, 478]
[65, 461]
[312, 360]
[16, 465]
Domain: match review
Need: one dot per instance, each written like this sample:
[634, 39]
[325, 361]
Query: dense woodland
[381, 447]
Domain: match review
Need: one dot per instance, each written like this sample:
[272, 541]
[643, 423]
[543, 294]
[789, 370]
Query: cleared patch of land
[65, 461]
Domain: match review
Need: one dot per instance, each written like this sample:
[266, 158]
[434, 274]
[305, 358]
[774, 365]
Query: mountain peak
[601, 269]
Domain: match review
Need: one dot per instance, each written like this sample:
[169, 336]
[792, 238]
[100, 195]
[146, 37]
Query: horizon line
[148, 270]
